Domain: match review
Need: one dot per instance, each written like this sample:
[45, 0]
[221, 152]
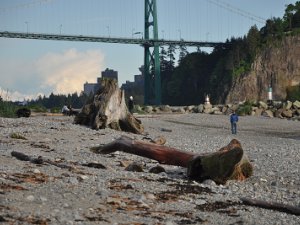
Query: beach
[73, 185]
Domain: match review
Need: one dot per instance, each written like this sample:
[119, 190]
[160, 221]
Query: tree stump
[108, 109]
[230, 162]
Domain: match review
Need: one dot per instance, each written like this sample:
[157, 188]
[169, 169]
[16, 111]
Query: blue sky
[29, 68]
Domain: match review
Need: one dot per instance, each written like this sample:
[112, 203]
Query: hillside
[278, 66]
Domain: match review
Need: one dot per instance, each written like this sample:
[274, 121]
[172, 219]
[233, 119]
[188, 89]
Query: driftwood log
[295, 210]
[108, 109]
[230, 162]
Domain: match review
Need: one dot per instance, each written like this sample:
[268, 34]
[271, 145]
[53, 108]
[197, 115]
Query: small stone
[30, 198]
[209, 182]
[36, 171]
[135, 167]
[157, 169]
[200, 202]
[82, 177]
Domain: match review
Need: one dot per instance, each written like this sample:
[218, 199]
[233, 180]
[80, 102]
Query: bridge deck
[143, 42]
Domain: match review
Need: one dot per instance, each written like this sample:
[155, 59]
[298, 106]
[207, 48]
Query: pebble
[115, 195]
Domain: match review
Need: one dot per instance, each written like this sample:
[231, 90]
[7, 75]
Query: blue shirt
[234, 118]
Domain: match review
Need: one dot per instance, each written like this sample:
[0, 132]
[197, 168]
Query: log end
[218, 166]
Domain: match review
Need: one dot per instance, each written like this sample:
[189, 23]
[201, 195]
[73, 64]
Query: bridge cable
[238, 11]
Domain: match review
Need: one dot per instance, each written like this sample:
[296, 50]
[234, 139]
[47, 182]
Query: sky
[29, 68]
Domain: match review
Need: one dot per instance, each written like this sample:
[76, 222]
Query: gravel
[68, 192]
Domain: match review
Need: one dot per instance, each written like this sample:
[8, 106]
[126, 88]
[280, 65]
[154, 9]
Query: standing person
[233, 120]
[65, 110]
[130, 104]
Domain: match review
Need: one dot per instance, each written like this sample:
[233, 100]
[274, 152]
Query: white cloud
[67, 72]
[58, 72]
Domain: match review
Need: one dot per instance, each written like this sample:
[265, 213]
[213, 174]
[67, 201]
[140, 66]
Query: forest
[200, 73]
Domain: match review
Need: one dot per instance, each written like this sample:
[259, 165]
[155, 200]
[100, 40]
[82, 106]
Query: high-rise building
[108, 73]
[92, 88]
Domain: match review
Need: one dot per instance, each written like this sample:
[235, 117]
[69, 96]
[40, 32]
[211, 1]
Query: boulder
[296, 104]
[148, 109]
[165, 108]
[288, 105]
[263, 105]
[189, 108]
[268, 113]
[258, 112]
[178, 110]
[198, 109]
[287, 113]
[278, 113]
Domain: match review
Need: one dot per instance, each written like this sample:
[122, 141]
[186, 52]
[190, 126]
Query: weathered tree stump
[108, 109]
[230, 162]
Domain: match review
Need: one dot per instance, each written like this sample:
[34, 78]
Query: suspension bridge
[150, 42]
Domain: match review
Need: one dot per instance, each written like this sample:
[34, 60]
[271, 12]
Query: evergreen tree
[171, 56]
[182, 52]
[253, 41]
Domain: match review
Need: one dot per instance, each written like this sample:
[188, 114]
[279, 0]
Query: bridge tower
[151, 56]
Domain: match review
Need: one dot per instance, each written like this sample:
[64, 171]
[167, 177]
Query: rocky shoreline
[76, 186]
[278, 109]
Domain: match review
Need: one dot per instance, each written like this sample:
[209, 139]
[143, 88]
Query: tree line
[200, 73]
[59, 100]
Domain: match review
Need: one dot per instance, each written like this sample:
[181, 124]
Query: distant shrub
[293, 93]
[7, 109]
[37, 108]
[245, 109]
[55, 110]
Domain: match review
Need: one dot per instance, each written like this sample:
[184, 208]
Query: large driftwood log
[230, 162]
[108, 109]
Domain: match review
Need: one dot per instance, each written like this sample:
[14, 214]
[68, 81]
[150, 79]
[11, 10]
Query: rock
[278, 113]
[287, 113]
[268, 113]
[125, 163]
[148, 109]
[217, 112]
[82, 177]
[277, 104]
[263, 105]
[165, 108]
[36, 171]
[198, 109]
[178, 110]
[288, 105]
[258, 111]
[296, 104]
[157, 169]
[30, 198]
[138, 108]
[189, 108]
[224, 109]
[135, 167]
